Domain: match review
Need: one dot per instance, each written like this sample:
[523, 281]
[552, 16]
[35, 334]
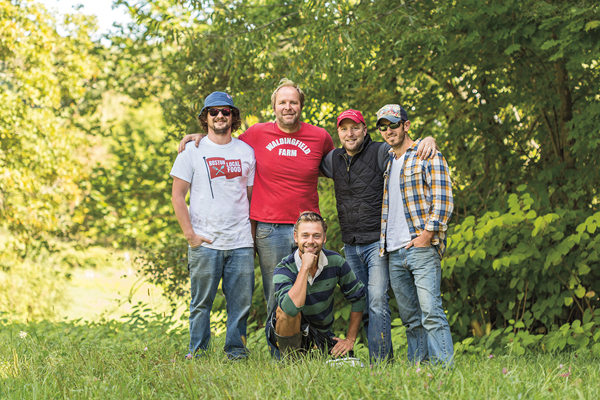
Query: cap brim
[393, 120]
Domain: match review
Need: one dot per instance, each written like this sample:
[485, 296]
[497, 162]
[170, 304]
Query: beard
[398, 141]
[222, 129]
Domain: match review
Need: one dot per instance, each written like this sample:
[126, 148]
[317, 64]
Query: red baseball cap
[354, 115]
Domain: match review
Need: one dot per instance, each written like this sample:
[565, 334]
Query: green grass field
[142, 358]
[131, 350]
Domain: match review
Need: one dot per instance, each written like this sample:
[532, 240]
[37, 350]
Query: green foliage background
[508, 89]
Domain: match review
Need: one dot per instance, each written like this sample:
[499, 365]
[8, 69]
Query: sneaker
[350, 361]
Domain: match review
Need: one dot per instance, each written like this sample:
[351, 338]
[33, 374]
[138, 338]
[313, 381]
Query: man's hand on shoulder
[196, 137]
[342, 347]
[427, 148]
[197, 240]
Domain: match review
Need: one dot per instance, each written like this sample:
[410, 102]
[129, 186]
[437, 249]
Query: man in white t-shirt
[417, 205]
[219, 174]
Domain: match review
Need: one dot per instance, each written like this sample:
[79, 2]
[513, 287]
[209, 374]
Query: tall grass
[144, 358]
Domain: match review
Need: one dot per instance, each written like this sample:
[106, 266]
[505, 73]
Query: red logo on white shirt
[220, 167]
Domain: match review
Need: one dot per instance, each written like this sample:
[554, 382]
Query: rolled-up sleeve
[283, 280]
[442, 203]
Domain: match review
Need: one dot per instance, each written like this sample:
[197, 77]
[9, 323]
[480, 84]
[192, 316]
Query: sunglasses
[384, 128]
[215, 111]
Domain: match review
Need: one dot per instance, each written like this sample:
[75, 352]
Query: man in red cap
[357, 170]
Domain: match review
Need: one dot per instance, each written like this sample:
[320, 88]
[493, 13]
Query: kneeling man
[304, 284]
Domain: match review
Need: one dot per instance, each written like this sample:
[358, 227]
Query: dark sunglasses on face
[384, 128]
[215, 111]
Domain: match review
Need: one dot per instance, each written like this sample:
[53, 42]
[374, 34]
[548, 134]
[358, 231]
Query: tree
[508, 88]
[44, 78]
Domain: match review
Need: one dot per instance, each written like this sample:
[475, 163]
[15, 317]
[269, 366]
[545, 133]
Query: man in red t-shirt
[288, 154]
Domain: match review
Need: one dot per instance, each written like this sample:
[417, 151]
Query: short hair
[283, 83]
[236, 119]
[310, 216]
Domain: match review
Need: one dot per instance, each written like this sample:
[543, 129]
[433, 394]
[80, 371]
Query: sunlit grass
[144, 359]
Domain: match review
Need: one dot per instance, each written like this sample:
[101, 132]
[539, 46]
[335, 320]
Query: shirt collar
[414, 145]
[322, 263]
[411, 148]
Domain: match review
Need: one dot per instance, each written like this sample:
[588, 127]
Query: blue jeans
[273, 243]
[415, 276]
[373, 272]
[207, 267]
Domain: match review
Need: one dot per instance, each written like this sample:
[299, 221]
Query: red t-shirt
[287, 170]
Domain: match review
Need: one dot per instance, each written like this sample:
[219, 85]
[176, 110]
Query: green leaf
[584, 269]
[592, 25]
[450, 262]
[519, 324]
[480, 254]
[591, 228]
[580, 291]
[496, 264]
[548, 44]
[468, 235]
[509, 50]
[568, 301]
[553, 257]
[596, 349]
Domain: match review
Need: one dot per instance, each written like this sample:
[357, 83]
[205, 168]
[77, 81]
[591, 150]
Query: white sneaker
[350, 361]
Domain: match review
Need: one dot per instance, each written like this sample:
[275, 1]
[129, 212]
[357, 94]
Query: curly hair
[310, 216]
[286, 82]
[236, 120]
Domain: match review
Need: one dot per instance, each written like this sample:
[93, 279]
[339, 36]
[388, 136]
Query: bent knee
[282, 316]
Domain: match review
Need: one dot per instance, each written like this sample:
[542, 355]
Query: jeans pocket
[421, 249]
[193, 253]
[264, 230]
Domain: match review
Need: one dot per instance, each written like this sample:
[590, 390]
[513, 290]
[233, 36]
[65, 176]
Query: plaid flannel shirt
[427, 191]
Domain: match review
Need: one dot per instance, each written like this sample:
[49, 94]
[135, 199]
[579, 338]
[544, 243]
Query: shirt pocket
[414, 170]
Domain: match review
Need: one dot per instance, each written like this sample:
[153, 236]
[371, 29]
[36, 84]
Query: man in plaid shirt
[416, 209]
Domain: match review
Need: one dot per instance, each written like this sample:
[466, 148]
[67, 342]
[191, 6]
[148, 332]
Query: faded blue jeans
[373, 272]
[207, 267]
[415, 277]
[273, 243]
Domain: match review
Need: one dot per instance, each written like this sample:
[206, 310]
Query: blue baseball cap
[217, 99]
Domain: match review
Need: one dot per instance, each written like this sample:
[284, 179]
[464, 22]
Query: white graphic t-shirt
[398, 234]
[219, 176]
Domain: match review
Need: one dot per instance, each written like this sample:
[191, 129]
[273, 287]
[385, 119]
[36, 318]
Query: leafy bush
[524, 273]
[32, 288]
